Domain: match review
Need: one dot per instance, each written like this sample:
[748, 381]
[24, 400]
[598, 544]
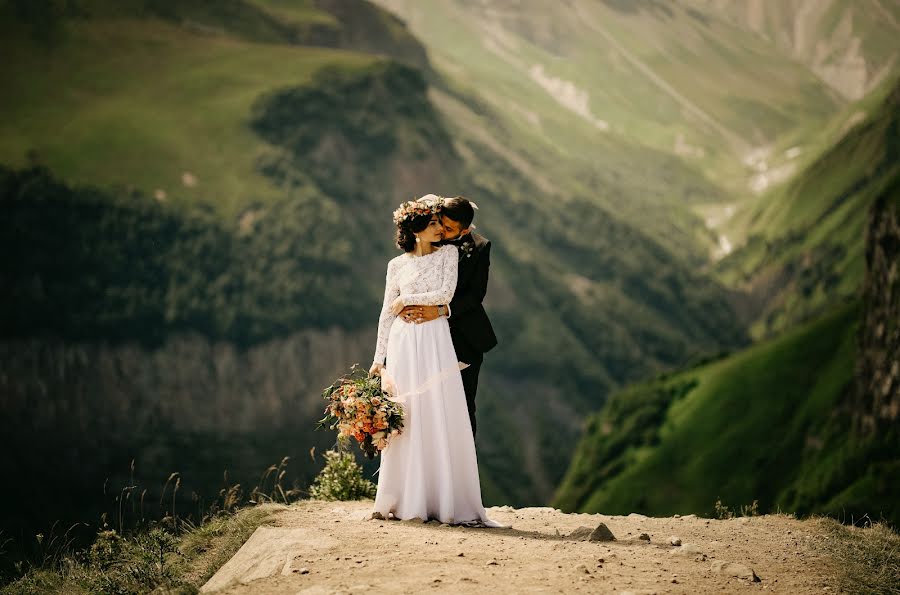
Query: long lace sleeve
[391, 291]
[449, 271]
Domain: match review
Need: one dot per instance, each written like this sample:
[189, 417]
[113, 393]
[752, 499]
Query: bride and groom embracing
[433, 332]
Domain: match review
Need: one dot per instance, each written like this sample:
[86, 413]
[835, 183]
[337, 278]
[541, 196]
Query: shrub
[341, 479]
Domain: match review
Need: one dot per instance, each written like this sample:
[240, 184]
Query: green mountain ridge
[804, 421]
[739, 425]
[804, 246]
[580, 83]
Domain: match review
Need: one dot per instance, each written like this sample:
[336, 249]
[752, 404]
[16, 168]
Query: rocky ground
[328, 547]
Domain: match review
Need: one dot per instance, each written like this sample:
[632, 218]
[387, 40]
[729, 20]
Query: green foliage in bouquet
[341, 479]
[358, 407]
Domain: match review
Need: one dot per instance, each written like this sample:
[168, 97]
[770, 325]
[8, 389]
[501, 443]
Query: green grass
[138, 103]
[297, 12]
[809, 233]
[738, 429]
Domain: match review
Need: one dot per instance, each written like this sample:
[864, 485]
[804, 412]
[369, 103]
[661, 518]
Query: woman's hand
[397, 306]
[376, 369]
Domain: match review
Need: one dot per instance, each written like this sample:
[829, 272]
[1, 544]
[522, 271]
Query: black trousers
[470, 384]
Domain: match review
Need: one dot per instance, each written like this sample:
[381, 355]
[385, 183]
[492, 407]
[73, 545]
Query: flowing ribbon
[389, 384]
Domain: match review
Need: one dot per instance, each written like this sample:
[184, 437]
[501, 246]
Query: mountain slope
[852, 46]
[804, 422]
[584, 81]
[732, 429]
[804, 246]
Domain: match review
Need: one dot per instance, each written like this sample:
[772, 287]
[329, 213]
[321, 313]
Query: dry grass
[868, 557]
[215, 542]
[173, 553]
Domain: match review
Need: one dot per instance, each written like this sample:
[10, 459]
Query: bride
[430, 470]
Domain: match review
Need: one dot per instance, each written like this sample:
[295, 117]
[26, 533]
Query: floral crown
[426, 205]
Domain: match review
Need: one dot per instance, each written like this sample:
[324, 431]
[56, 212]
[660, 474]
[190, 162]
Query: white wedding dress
[430, 470]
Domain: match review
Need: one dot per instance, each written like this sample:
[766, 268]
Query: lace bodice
[428, 280]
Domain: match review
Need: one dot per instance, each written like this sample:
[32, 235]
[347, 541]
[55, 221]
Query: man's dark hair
[460, 210]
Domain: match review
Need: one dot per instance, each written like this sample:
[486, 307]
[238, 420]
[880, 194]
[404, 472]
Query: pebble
[687, 550]
[736, 570]
[644, 537]
[602, 533]
[304, 570]
[492, 563]
[675, 540]
[580, 533]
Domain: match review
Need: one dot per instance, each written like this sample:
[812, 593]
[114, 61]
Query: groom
[470, 327]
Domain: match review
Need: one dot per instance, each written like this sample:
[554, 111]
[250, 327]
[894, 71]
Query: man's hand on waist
[420, 314]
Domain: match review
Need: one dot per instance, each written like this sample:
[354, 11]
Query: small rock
[460, 555]
[582, 568]
[675, 540]
[687, 550]
[580, 533]
[736, 570]
[644, 537]
[601, 533]
[492, 563]
[304, 570]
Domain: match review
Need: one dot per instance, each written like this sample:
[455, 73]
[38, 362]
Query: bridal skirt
[430, 470]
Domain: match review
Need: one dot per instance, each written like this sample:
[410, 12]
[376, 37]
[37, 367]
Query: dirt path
[327, 547]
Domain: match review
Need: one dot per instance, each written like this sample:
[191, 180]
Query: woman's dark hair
[406, 241]
[460, 210]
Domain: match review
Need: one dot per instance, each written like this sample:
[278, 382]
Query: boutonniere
[466, 249]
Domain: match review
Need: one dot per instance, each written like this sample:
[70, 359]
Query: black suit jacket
[470, 326]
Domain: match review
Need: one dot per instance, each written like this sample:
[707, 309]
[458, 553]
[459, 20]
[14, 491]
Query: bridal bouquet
[358, 407]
